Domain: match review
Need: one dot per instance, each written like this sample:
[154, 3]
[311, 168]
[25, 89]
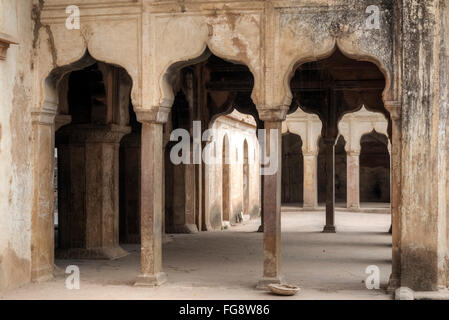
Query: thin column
[395, 193]
[330, 186]
[310, 180]
[272, 210]
[151, 206]
[42, 216]
[353, 179]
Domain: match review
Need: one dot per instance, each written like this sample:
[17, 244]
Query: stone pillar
[353, 179]
[89, 191]
[310, 180]
[330, 185]
[272, 211]
[395, 193]
[151, 209]
[42, 215]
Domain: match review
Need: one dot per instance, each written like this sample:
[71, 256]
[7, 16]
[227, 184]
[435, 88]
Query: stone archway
[64, 119]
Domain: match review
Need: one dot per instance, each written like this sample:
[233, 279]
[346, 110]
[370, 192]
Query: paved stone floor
[227, 264]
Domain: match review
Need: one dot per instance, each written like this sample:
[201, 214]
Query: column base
[393, 284]
[264, 282]
[182, 228]
[106, 253]
[42, 274]
[329, 229]
[151, 280]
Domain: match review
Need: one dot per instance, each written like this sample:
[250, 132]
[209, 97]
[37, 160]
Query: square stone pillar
[42, 215]
[394, 108]
[88, 191]
[272, 210]
[353, 179]
[310, 180]
[151, 209]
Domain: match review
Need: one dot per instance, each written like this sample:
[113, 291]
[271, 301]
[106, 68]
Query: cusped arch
[171, 70]
[353, 126]
[50, 98]
[347, 49]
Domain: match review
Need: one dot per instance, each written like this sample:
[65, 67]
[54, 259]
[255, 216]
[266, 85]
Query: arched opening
[331, 88]
[94, 116]
[374, 169]
[223, 188]
[211, 94]
[292, 170]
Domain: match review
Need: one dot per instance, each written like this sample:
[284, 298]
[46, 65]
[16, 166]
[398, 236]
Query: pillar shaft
[89, 191]
[272, 210]
[330, 186]
[395, 195]
[353, 179]
[42, 217]
[151, 206]
[310, 180]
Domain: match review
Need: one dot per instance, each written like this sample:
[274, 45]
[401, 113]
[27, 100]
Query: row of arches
[204, 91]
[374, 168]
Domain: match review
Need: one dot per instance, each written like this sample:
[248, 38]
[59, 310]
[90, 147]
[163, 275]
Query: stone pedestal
[88, 183]
[310, 180]
[353, 179]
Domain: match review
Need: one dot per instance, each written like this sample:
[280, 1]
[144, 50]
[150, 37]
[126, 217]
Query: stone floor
[227, 264]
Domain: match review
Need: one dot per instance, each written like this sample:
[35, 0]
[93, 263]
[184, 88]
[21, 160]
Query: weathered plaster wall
[424, 257]
[16, 154]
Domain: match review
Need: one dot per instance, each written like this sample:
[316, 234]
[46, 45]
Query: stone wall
[16, 152]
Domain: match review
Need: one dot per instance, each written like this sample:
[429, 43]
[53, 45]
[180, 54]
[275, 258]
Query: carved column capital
[157, 114]
[310, 153]
[46, 116]
[353, 153]
[394, 108]
[90, 133]
[273, 114]
[5, 41]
